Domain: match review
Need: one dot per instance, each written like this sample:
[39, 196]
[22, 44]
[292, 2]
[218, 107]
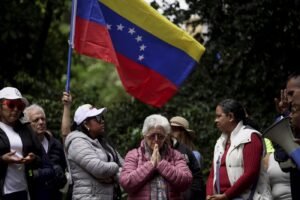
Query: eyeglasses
[38, 119]
[99, 119]
[156, 136]
[12, 104]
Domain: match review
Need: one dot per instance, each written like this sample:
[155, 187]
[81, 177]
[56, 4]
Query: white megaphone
[281, 133]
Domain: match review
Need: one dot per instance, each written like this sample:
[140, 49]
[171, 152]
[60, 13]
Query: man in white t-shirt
[20, 150]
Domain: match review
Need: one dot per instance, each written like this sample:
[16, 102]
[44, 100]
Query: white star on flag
[141, 57]
[108, 26]
[131, 31]
[120, 27]
[139, 38]
[143, 47]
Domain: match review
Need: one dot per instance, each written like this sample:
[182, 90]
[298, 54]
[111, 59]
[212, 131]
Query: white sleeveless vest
[234, 161]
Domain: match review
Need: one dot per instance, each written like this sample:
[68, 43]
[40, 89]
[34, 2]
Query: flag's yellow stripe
[147, 18]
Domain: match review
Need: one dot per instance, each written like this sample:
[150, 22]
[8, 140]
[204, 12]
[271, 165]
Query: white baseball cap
[10, 93]
[85, 111]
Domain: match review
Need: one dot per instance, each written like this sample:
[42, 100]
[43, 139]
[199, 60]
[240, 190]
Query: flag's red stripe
[93, 40]
[143, 83]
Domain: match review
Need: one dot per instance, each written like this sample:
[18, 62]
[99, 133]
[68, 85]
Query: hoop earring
[87, 128]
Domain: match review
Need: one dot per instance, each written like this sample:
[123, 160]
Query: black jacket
[197, 189]
[30, 144]
[281, 156]
[49, 186]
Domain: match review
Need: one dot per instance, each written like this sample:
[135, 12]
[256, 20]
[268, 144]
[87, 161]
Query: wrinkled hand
[155, 158]
[11, 157]
[217, 197]
[158, 157]
[66, 99]
[282, 104]
[29, 158]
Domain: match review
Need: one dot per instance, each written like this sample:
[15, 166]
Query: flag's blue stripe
[167, 60]
[90, 10]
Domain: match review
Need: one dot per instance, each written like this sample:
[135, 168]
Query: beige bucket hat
[182, 122]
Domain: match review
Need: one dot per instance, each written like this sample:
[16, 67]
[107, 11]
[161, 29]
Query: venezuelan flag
[153, 56]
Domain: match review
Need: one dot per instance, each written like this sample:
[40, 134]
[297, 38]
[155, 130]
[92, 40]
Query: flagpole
[71, 41]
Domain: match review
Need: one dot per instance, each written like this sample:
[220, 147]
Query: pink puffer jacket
[138, 172]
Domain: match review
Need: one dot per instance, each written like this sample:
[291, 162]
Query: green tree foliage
[34, 46]
[251, 47]
[30, 39]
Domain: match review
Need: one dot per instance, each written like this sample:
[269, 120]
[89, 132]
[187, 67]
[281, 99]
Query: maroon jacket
[138, 172]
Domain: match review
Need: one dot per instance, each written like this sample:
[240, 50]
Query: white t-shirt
[279, 181]
[45, 144]
[15, 176]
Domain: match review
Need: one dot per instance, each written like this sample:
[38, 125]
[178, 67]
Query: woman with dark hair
[21, 153]
[237, 170]
[94, 163]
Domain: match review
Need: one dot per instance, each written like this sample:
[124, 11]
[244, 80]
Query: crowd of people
[34, 165]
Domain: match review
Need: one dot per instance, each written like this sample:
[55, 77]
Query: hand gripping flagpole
[71, 43]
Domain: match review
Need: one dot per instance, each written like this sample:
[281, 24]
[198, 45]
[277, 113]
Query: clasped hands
[11, 157]
[155, 158]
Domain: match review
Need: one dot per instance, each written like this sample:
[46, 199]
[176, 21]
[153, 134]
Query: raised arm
[66, 118]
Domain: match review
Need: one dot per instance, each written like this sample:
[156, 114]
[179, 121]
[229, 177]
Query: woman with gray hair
[154, 170]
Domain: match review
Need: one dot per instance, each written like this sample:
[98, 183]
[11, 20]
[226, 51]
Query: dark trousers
[295, 183]
[21, 195]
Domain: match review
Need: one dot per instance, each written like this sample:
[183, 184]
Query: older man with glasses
[50, 189]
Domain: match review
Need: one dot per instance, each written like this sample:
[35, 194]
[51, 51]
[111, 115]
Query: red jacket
[138, 172]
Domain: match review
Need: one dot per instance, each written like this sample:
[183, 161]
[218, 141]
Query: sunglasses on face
[99, 119]
[12, 104]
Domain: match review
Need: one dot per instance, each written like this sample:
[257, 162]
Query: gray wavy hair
[154, 121]
[28, 111]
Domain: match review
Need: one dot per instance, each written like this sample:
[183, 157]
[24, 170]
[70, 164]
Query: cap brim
[174, 124]
[23, 99]
[187, 130]
[96, 112]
